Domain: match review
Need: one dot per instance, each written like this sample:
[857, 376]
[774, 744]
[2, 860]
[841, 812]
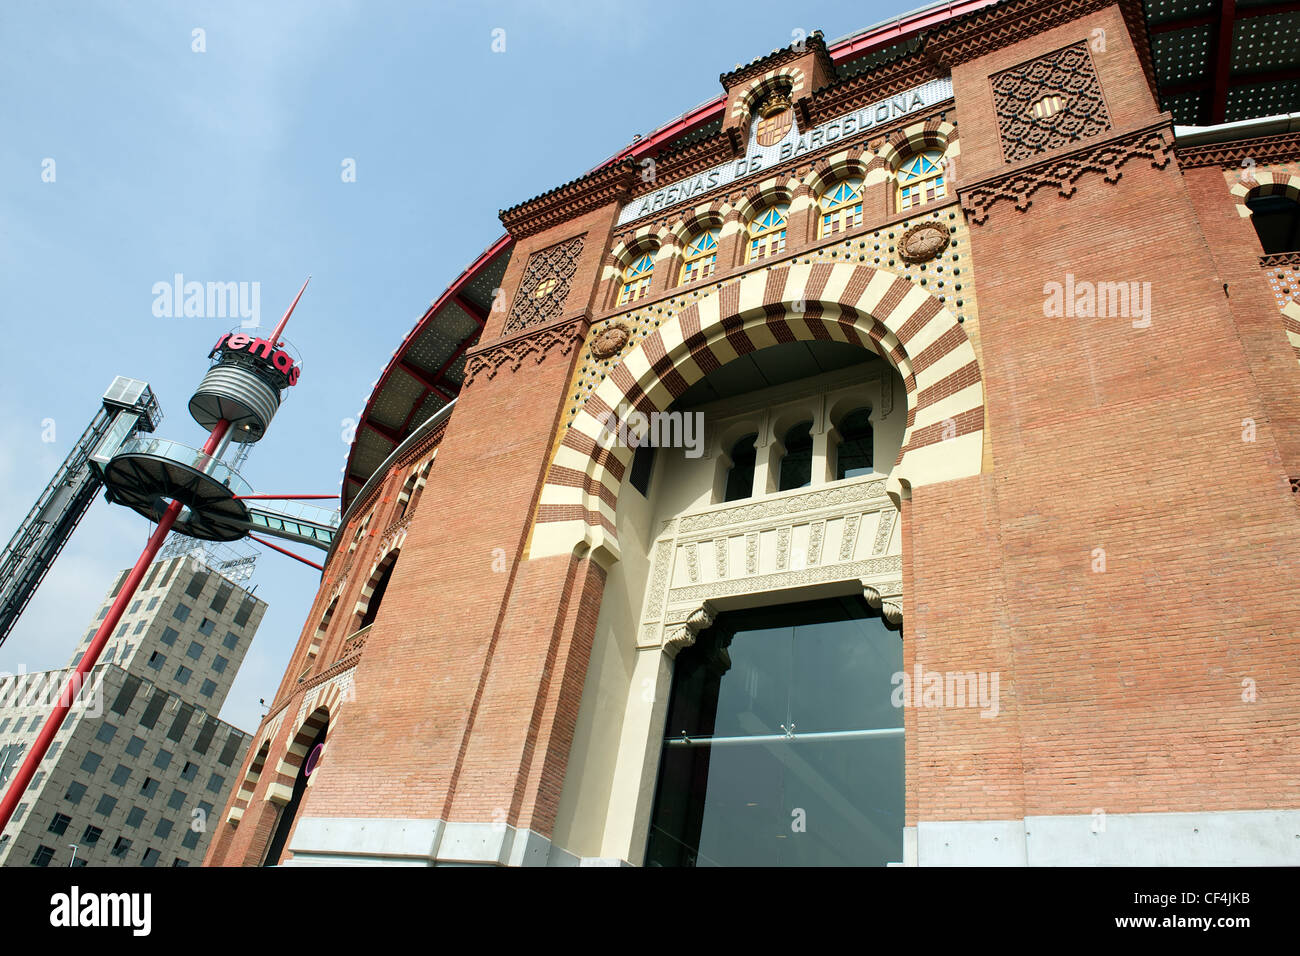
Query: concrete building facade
[969, 345]
[142, 764]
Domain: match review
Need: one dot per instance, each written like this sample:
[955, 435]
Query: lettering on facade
[795, 143]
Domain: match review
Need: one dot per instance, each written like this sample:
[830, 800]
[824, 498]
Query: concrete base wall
[1240, 838]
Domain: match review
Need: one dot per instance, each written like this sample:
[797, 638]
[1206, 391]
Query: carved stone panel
[1049, 102]
[545, 286]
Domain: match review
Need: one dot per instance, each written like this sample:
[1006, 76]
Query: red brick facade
[1121, 557]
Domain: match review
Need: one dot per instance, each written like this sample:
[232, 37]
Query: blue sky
[225, 166]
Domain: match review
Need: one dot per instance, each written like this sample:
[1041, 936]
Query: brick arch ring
[862, 305]
[321, 709]
[1265, 184]
[790, 76]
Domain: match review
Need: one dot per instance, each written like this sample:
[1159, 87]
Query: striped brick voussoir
[862, 305]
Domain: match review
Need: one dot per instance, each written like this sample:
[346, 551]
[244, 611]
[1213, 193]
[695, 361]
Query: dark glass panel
[740, 791]
[740, 478]
[856, 445]
[796, 466]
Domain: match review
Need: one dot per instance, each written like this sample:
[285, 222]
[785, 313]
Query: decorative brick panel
[1048, 103]
[545, 286]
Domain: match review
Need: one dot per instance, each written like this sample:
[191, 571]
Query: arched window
[921, 179]
[377, 595]
[636, 279]
[1277, 222]
[701, 256]
[841, 207]
[284, 825]
[777, 714]
[404, 497]
[796, 466]
[854, 456]
[767, 233]
[740, 476]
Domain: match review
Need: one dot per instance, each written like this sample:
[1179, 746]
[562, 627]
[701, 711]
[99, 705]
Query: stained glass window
[701, 257]
[921, 179]
[842, 207]
[767, 233]
[636, 279]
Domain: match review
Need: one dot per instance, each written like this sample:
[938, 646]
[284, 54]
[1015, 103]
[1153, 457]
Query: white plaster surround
[693, 557]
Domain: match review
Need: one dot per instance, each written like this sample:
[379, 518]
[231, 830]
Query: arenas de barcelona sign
[758, 157]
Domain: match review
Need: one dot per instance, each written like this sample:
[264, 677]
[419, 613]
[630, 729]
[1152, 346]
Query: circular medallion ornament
[610, 341]
[923, 242]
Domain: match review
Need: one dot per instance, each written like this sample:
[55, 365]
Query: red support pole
[282, 497]
[276, 547]
[18, 786]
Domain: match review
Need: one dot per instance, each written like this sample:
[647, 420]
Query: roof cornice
[601, 186]
[815, 43]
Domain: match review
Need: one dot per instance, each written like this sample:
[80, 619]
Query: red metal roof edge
[896, 31]
[903, 28]
[470, 272]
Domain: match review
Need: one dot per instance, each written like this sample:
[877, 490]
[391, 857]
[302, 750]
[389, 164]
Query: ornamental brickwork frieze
[1063, 172]
[544, 288]
[511, 354]
[1050, 102]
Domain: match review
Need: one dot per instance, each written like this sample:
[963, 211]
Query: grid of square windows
[150, 857]
[181, 613]
[157, 660]
[149, 787]
[106, 805]
[135, 817]
[121, 847]
[106, 733]
[207, 627]
[163, 760]
[90, 763]
[177, 799]
[163, 830]
[60, 823]
[216, 782]
[219, 664]
[231, 640]
[183, 675]
[209, 688]
[169, 636]
[134, 746]
[43, 855]
[75, 792]
[121, 775]
[91, 835]
[153, 603]
[195, 650]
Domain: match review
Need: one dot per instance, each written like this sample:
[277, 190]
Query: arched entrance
[861, 305]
